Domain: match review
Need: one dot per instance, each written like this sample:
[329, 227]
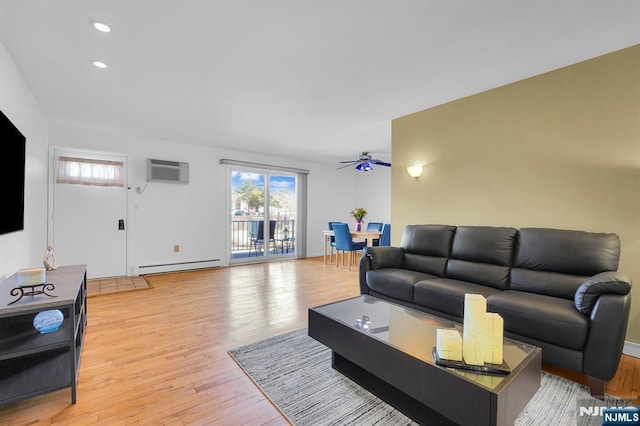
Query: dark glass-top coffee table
[391, 355]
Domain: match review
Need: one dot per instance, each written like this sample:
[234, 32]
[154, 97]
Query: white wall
[191, 215]
[25, 249]
[194, 215]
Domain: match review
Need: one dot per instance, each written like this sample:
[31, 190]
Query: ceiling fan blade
[381, 163]
[346, 165]
[350, 162]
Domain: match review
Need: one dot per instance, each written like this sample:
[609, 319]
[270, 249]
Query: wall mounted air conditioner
[167, 171]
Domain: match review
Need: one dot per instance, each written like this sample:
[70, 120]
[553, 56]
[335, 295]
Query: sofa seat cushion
[545, 318]
[396, 283]
[447, 295]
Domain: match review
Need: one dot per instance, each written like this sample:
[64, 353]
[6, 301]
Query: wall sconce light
[415, 171]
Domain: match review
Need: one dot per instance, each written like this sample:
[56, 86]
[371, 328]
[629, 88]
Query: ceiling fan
[364, 163]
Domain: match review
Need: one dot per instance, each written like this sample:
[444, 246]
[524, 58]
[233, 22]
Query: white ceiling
[319, 79]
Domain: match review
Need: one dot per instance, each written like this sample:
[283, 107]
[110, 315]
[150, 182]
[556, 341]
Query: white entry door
[89, 214]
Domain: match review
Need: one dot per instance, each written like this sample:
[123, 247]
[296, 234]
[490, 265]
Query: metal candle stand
[32, 290]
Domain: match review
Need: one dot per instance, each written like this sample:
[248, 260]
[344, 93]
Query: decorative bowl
[48, 321]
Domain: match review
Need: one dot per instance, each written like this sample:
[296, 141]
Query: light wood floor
[159, 356]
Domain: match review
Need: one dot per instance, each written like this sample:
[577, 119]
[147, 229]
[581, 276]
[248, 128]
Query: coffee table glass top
[414, 332]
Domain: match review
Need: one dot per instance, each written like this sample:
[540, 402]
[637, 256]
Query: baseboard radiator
[175, 267]
[631, 349]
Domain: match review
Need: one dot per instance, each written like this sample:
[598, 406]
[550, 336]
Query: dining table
[368, 236]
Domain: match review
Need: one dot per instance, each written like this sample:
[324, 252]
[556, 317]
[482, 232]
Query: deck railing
[243, 241]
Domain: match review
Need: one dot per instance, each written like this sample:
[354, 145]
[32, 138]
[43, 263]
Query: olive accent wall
[558, 150]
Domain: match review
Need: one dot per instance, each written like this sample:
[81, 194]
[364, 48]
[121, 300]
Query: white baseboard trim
[175, 267]
[631, 349]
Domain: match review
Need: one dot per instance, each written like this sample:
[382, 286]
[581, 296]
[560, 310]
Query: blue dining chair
[332, 242]
[345, 243]
[385, 237]
[375, 226]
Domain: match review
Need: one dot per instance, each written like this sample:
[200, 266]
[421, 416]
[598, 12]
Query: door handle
[121, 224]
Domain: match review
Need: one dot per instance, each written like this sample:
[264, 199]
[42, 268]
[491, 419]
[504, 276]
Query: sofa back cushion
[482, 255]
[555, 261]
[427, 247]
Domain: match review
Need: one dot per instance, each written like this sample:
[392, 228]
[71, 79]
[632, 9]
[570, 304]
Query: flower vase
[358, 225]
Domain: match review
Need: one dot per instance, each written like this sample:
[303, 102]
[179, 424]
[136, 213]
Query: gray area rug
[294, 371]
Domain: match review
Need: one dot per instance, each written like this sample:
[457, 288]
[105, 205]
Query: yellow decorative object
[495, 326]
[449, 344]
[474, 329]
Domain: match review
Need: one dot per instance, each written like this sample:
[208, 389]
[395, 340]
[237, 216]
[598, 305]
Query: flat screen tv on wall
[12, 146]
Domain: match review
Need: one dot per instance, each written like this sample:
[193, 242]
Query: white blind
[88, 171]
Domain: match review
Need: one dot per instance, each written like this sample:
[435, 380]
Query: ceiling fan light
[364, 167]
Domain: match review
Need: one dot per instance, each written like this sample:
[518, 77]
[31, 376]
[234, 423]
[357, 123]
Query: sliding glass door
[263, 215]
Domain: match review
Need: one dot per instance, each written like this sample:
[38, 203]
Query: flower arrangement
[358, 213]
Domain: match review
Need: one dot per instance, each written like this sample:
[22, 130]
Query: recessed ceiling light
[101, 27]
[99, 64]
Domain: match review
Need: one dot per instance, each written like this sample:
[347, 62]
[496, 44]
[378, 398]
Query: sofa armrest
[378, 257]
[603, 283]
[607, 331]
[385, 257]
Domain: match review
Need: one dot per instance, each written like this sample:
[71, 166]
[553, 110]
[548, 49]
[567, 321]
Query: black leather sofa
[556, 289]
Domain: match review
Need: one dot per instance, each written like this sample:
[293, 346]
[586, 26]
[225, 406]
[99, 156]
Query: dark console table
[32, 363]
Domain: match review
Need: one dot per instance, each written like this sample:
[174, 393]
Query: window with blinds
[88, 171]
